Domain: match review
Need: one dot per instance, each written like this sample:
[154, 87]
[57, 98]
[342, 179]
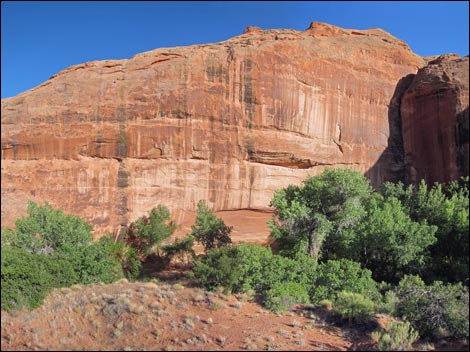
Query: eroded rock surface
[228, 122]
[434, 113]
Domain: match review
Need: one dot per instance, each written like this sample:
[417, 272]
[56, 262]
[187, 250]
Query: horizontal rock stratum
[228, 122]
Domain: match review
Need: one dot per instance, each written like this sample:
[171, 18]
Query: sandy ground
[163, 316]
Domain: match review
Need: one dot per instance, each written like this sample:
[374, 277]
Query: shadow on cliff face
[391, 164]
[463, 139]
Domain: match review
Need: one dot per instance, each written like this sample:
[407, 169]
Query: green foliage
[217, 268]
[180, 248]
[436, 310]
[127, 256]
[46, 230]
[389, 242]
[445, 206]
[354, 307]
[238, 269]
[49, 249]
[62, 269]
[248, 267]
[300, 269]
[209, 230]
[399, 336]
[335, 276]
[149, 231]
[286, 294]
[27, 278]
[251, 264]
[406, 230]
[97, 263]
[307, 214]
[389, 304]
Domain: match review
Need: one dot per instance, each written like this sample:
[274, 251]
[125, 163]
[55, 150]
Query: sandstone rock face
[434, 112]
[228, 122]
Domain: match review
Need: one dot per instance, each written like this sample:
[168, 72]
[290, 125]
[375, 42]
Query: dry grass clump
[236, 305]
[150, 285]
[178, 287]
[216, 305]
[198, 297]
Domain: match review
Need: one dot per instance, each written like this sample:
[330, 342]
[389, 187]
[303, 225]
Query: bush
[217, 268]
[389, 242]
[389, 304]
[46, 231]
[150, 231]
[209, 230]
[97, 263]
[335, 276]
[399, 337]
[62, 269]
[286, 294]
[127, 256]
[300, 269]
[25, 279]
[436, 310]
[49, 249]
[447, 207]
[325, 304]
[252, 263]
[353, 306]
[181, 249]
[250, 267]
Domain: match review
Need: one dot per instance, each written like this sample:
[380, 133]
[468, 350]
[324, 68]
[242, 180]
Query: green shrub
[335, 276]
[353, 306]
[217, 268]
[252, 262]
[399, 336]
[61, 268]
[250, 267]
[149, 231]
[445, 206]
[286, 294]
[181, 249]
[28, 277]
[325, 304]
[25, 279]
[127, 256]
[46, 231]
[49, 249]
[389, 304]
[97, 263]
[436, 310]
[209, 230]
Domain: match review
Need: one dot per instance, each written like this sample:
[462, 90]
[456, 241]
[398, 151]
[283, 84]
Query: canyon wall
[434, 111]
[228, 122]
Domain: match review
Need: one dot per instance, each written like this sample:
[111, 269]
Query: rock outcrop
[434, 112]
[228, 122]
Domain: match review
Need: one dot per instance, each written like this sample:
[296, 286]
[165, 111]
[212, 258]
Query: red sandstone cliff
[434, 111]
[228, 122]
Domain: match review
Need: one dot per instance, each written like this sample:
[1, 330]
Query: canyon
[230, 123]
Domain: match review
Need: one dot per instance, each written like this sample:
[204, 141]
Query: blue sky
[41, 38]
